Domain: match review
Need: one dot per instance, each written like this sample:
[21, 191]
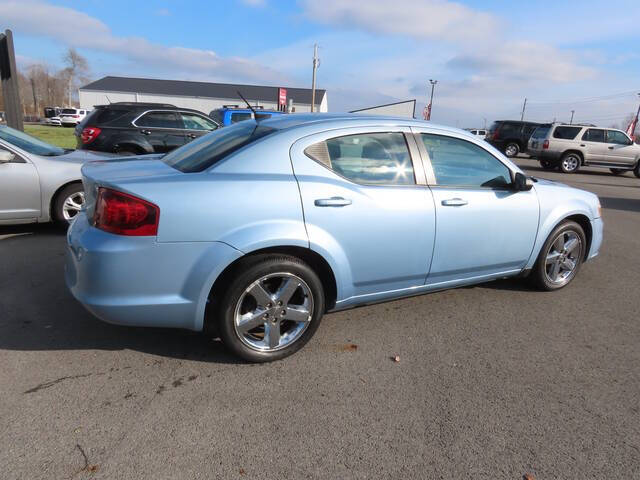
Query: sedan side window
[457, 162]
[372, 158]
[159, 120]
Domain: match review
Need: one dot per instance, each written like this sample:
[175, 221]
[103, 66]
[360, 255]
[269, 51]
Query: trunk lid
[116, 173]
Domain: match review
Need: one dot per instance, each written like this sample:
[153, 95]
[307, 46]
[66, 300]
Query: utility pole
[524, 106]
[571, 121]
[316, 64]
[430, 107]
[9, 81]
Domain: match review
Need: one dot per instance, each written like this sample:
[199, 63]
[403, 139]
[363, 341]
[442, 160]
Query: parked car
[50, 113]
[569, 147]
[230, 114]
[54, 121]
[138, 128]
[70, 117]
[478, 132]
[511, 136]
[39, 182]
[259, 228]
[2, 119]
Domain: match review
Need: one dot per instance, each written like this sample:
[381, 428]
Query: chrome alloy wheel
[563, 257]
[273, 312]
[72, 205]
[511, 150]
[570, 163]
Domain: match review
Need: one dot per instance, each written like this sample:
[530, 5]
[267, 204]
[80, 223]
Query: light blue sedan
[256, 230]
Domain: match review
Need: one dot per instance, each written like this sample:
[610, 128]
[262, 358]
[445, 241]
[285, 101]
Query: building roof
[200, 89]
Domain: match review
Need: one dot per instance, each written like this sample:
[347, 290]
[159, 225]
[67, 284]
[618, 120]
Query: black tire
[250, 271]
[548, 165]
[570, 162]
[617, 171]
[539, 275]
[511, 149]
[636, 171]
[58, 210]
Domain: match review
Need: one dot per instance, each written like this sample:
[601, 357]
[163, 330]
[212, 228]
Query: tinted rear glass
[566, 133]
[207, 150]
[71, 111]
[103, 116]
[510, 129]
[540, 132]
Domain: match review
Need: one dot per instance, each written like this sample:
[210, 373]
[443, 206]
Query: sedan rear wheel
[271, 309]
[560, 257]
[548, 164]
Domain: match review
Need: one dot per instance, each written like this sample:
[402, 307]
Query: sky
[486, 56]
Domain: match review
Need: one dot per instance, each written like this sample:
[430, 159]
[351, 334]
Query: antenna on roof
[248, 104]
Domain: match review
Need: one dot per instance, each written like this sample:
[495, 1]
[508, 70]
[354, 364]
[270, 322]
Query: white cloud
[431, 19]
[77, 29]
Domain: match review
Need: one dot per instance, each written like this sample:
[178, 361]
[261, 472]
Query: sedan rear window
[566, 133]
[209, 149]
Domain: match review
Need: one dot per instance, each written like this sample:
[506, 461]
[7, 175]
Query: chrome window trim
[304, 142]
[428, 167]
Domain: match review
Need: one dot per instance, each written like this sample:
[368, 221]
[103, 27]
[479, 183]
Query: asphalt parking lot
[494, 381]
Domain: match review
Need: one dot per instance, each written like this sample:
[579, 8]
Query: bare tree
[77, 71]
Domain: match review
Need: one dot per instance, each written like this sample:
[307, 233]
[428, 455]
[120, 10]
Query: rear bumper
[545, 155]
[138, 281]
[597, 230]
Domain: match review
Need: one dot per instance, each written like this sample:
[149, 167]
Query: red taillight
[124, 214]
[89, 134]
[545, 144]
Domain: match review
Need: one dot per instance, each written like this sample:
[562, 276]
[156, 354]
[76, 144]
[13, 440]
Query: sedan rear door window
[370, 159]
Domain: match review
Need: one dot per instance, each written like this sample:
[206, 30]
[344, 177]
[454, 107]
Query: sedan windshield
[28, 143]
[202, 153]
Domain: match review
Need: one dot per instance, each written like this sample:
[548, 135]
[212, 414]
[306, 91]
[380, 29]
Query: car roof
[150, 106]
[338, 120]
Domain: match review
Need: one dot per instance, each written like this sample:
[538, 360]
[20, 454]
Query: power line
[588, 99]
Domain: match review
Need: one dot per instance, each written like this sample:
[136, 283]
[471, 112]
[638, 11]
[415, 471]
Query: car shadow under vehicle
[39, 313]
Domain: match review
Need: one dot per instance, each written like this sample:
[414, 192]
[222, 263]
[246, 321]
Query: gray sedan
[39, 182]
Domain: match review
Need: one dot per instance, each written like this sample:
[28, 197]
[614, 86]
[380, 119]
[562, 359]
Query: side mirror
[521, 183]
[6, 156]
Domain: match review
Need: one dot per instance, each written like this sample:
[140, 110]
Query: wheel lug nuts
[279, 303]
[266, 315]
[269, 305]
[284, 312]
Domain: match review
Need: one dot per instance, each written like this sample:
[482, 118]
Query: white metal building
[202, 96]
[406, 108]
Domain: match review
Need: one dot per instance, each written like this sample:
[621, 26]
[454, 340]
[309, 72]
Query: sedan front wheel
[271, 309]
[68, 203]
[560, 257]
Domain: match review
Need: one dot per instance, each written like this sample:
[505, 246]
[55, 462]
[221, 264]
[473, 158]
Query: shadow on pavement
[626, 204]
[38, 313]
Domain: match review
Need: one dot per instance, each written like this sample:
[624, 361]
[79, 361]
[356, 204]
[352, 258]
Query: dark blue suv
[230, 114]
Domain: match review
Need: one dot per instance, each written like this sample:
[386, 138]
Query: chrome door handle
[332, 202]
[191, 135]
[145, 132]
[454, 202]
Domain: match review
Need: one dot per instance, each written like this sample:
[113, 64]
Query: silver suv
[569, 147]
